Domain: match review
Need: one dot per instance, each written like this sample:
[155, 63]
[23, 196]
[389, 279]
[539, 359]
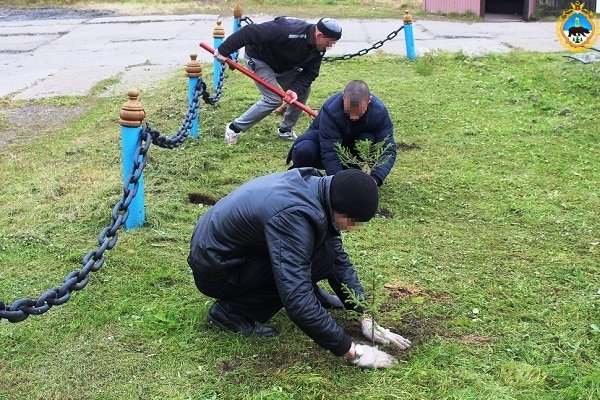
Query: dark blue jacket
[283, 44]
[333, 126]
[285, 216]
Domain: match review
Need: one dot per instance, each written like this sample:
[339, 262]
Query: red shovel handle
[260, 80]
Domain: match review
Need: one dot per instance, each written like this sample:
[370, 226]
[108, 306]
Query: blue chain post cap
[193, 69]
[237, 11]
[218, 30]
[132, 112]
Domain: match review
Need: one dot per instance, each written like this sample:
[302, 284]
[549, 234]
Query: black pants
[250, 288]
[306, 150]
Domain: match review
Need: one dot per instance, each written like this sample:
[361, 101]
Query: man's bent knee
[305, 154]
[272, 101]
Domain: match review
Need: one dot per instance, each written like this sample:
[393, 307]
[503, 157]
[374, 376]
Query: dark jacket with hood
[283, 44]
[285, 216]
[333, 126]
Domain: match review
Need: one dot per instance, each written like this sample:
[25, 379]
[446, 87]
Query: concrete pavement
[69, 54]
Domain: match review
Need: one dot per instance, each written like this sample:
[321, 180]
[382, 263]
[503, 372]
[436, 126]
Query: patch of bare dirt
[45, 13]
[21, 124]
[384, 213]
[397, 291]
[407, 146]
[199, 198]
[100, 9]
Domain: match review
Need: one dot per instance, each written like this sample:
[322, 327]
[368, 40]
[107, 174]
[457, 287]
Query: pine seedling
[370, 304]
[366, 155]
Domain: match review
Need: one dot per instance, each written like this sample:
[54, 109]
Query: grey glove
[381, 335]
[371, 357]
[219, 57]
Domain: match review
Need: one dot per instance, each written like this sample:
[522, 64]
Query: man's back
[236, 226]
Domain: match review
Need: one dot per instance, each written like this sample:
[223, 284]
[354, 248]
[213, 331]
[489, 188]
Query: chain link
[362, 52]
[212, 100]
[246, 20]
[183, 132]
[94, 260]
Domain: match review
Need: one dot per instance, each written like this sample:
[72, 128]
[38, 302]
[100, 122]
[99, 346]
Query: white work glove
[381, 335]
[371, 357]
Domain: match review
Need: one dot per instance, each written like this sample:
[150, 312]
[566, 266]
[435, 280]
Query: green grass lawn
[492, 207]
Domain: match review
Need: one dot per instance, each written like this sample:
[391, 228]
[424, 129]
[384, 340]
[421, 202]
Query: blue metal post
[218, 35]
[193, 70]
[237, 24]
[409, 37]
[132, 114]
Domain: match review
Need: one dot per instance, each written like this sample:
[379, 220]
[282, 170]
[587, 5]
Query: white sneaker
[289, 135]
[231, 136]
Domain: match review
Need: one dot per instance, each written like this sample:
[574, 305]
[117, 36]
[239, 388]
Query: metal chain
[94, 260]
[212, 100]
[362, 52]
[247, 20]
[183, 132]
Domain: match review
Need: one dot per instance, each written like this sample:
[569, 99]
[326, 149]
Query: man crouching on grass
[267, 244]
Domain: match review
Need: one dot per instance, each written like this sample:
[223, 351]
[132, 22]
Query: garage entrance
[512, 7]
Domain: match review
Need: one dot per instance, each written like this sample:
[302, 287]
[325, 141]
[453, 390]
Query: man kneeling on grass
[267, 244]
[346, 118]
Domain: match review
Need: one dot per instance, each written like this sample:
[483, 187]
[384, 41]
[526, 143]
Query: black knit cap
[330, 28]
[354, 194]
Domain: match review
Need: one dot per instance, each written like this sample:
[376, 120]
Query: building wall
[555, 7]
[453, 6]
[546, 7]
[566, 4]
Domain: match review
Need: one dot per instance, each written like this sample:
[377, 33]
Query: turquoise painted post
[409, 37]
[132, 114]
[193, 70]
[237, 25]
[218, 35]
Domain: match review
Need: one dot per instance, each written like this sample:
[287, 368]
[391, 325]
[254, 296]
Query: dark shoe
[223, 317]
[327, 299]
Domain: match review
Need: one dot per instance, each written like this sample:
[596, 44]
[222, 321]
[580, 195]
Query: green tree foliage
[366, 155]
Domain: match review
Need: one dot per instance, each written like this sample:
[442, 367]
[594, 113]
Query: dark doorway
[510, 7]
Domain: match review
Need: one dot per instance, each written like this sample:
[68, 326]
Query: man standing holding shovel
[287, 53]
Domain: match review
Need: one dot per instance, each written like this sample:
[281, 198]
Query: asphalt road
[54, 52]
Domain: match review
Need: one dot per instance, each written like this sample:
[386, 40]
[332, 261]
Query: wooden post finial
[218, 31]
[237, 11]
[193, 69]
[408, 19]
[132, 112]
